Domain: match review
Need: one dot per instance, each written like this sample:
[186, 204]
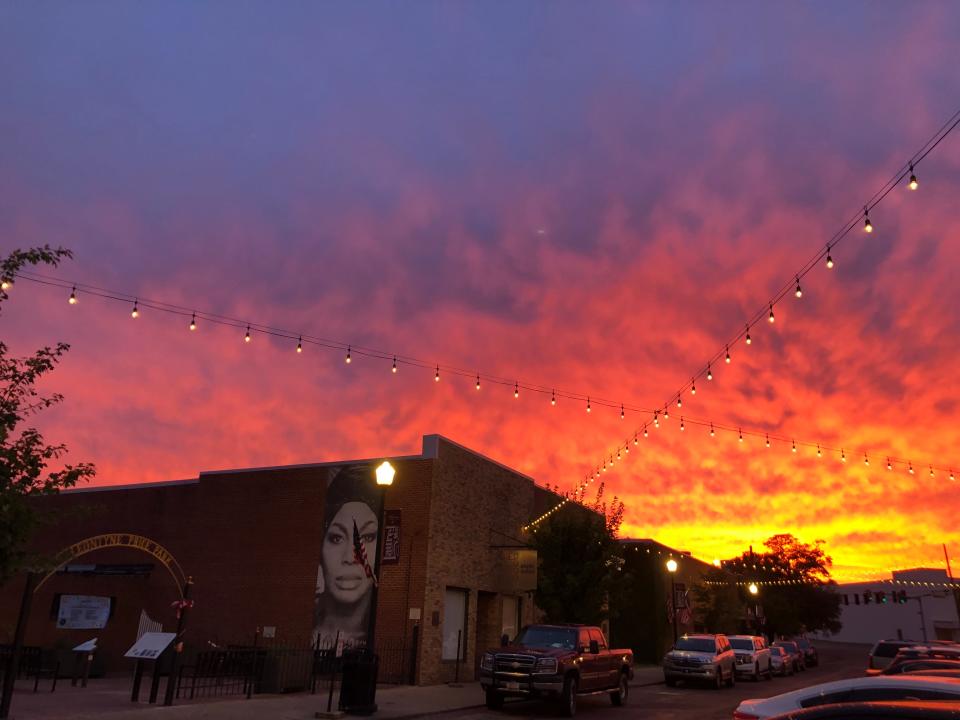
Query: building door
[510, 617]
[488, 627]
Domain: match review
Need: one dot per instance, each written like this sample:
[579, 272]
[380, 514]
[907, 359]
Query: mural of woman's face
[344, 579]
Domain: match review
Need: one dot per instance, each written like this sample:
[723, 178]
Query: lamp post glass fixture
[672, 569]
[753, 589]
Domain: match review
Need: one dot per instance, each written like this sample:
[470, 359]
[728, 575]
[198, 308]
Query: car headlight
[487, 662]
[546, 666]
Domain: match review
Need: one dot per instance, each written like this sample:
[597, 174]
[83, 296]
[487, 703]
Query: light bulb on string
[393, 368]
[770, 317]
[73, 296]
[712, 433]
[912, 184]
[588, 403]
[645, 433]
[931, 471]
[636, 441]
[6, 284]
[829, 259]
[656, 419]
[193, 322]
[843, 455]
[436, 375]
[681, 423]
[516, 389]
[910, 469]
[709, 372]
[348, 359]
[867, 225]
[768, 441]
[819, 452]
[798, 292]
[135, 313]
[553, 397]
[478, 381]
[246, 338]
[611, 461]
[626, 445]
[693, 386]
[621, 413]
[618, 453]
[889, 464]
[741, 435]
[951, 474]
[866, 460]
[666, 412]
[728, 355]
[794, 446]
[747, 338]
[679, 401]
[300, 350]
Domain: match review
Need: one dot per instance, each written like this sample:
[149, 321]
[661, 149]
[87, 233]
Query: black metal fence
[281, 666]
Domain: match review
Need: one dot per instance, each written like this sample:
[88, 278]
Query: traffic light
[881, 597]
[902, 597]
[867, 597]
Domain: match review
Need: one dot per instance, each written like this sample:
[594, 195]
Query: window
[846, 599]
[856, 598]
[454, 624]
[584, 640]
[826, 699]
[598, 636]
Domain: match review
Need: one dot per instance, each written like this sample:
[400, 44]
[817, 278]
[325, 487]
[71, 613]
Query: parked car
[916, 652]
[781, 661]
[811, 657]
[892, 710]
[799, 659]
[701, 657]
[556, 662]
[752, 656]
[902, 665]
[883, 653]
[862, 689]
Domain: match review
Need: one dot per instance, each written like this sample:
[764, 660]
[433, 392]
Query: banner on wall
[83, 612]
[391, 538]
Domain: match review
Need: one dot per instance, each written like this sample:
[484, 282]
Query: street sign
[150, 645]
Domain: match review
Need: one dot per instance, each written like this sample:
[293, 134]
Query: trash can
[358, 685]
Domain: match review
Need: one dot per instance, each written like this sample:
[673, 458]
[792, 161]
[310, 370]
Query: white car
[863, 689]
[753, 656]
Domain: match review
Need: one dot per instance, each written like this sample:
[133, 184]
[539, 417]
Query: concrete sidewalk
[109, 700]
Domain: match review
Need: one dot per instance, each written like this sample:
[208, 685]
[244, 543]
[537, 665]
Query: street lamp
[364, 703]
[672, 569]
[753, 589]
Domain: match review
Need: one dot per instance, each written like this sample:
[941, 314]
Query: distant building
[914, 604]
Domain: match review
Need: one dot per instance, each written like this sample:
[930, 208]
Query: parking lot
[658, 702]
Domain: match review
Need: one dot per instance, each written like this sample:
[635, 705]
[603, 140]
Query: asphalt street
[686, 702]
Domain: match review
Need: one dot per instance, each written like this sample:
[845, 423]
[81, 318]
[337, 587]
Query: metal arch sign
[120, 540]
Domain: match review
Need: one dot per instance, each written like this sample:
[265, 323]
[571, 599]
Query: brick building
[252, 541]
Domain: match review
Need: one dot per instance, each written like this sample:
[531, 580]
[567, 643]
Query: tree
[580, 561]
[796, 591]
[24, 454]
[718, 605]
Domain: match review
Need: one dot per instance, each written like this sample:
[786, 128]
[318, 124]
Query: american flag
[360, 553]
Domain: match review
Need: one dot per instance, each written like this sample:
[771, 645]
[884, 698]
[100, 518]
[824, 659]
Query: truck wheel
[732, 680]
[494, 700]
[619, 696]
[718, 679]
[569, 697]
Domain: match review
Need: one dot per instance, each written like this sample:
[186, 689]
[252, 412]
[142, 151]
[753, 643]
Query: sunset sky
[581, 196]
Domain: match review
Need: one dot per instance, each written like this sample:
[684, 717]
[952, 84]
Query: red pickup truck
[557, 662]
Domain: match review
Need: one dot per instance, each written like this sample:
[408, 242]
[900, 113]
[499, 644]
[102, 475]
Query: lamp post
[385, 473]
[672, 569]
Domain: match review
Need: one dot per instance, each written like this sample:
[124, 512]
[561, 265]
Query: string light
[478, 381]
[910, 469]
[728, 355]
[741, 435]
[681, 423]
[621, 413]
[712, 433]
[246, 338]
[747, 339]
[636, 441]
[913, 179]
[829, 259]
[656, 419]
[693, 386]
[819, 453]
[553, 397]
[300, 350]
[770, 317]
[666, 412]
[951, 474]
[768, 441]
[709, 372]
[843, 456]
[73, 296]
[588, 403]
[193, 322]
[349, 358]
[931, 471]
[794, 446]
[626, 445]
[798, 292]
[866, 460]
[135, 313]
[867, 225]
[6, 284]
[393, 368]
[645, 433]
[889, 464]
[436, 375]
[516, 390]
[679, 401]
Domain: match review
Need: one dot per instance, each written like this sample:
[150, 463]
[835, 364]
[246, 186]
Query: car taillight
[740, 715]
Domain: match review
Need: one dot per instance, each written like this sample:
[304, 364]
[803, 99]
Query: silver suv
[700, 657]
[753, 656]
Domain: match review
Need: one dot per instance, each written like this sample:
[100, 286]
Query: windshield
[706, 645]
[742, 644]
[548, 637]
[790, 646]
